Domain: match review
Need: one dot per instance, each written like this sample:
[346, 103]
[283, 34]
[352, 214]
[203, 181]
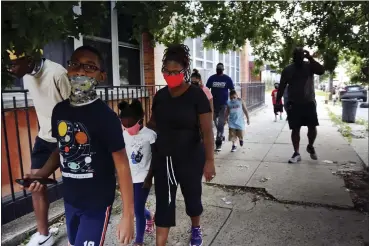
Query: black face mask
[195, 83]
[219, 71]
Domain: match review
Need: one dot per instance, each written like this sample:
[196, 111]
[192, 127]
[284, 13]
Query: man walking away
[48, 85]
[219, 84]
[301, 107]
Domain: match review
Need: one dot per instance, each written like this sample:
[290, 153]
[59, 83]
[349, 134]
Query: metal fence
[20, 128]
[252, 93]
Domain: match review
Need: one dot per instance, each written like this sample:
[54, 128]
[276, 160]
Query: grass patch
[343, 127]
[363, 123]
[321, 93]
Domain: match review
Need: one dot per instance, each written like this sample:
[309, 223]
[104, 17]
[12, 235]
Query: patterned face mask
[83, 89]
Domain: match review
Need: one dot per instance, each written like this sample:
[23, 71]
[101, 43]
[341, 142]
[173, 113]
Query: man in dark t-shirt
[90, 150]
[220, 84]
[301, 105]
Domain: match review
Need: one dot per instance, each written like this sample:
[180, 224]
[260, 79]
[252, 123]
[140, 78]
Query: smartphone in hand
[27, 182]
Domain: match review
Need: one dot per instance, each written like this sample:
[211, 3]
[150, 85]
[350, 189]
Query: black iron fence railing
[253, 94]
[20, 128]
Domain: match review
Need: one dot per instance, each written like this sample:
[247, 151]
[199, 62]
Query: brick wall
[244, 70]
[254, 77]
[148, 59]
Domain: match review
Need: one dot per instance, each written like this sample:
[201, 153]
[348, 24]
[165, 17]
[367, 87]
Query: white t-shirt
[47, 87]
[138, 149]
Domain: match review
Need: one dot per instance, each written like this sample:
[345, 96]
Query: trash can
[349, 107]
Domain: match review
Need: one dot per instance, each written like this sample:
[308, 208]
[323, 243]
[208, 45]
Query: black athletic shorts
[41, 152]
[184, 170]
[278, 108]
[302, 114]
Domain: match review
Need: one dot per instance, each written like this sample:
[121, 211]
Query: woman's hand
[148, 182]
[125, 231]
[209, 170]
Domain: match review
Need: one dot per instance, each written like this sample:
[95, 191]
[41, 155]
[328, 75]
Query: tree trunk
[330, 86]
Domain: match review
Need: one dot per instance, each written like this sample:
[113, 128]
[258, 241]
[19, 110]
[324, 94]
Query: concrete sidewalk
[257, 198]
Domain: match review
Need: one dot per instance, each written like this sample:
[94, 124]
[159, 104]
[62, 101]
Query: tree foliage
[28, 26]
[272, 28]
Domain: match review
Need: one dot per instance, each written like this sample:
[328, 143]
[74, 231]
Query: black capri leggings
[185, 170]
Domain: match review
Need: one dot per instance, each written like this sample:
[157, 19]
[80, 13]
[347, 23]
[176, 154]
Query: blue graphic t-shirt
[236, 119]
[220, 85]
[87, 135]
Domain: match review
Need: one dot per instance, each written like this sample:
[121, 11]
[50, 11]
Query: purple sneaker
[196, 236]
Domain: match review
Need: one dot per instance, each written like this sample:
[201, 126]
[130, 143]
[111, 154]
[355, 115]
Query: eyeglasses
[87, 67]
[164, 70]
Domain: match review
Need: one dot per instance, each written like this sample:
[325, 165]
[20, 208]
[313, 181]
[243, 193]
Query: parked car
[354, 92]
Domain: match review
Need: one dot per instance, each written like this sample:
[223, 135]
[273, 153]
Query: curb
[19, 237]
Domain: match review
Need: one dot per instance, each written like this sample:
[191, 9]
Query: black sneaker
[311, 150]
[218, 145]
[296, 157]
[241, 143]
[234, 148]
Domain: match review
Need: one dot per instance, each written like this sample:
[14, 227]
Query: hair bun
[195, 70]
[123, 105]
[135, 104]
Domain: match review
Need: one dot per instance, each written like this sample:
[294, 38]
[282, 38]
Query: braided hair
[179, 53]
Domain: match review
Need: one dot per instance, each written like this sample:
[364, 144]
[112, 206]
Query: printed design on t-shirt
[233, 110]
[75, 149]
[136, 156]
[219, 84]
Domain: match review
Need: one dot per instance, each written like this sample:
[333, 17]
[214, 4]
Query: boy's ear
[103, 76]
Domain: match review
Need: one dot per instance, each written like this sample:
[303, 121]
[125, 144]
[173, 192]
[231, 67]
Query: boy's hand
[35, 186]
[125, 231]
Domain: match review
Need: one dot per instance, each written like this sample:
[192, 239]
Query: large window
[59, 51]
[189, 43]
[129, 66]
[238, 67]
[221, 57]
[125, 30]
[105, 51]
[209, 55]
[199, 48]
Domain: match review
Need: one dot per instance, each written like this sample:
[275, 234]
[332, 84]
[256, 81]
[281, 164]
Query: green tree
[28, 26]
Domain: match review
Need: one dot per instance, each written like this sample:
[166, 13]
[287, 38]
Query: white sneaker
[296, 157]
[37, 240]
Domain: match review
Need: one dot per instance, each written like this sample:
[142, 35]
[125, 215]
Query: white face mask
[83, 89]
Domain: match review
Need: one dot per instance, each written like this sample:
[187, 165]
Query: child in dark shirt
[91, 149]
[278, 107]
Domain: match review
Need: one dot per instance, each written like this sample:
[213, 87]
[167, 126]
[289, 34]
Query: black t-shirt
[300, 81]
[177, 119]
[87, 135]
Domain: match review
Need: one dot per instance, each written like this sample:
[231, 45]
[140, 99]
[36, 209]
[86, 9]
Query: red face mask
[134, 129]
[174, 80]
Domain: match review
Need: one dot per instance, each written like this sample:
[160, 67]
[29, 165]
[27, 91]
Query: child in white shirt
[138, 140]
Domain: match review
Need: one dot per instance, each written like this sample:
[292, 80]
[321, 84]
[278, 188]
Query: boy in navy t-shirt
[91, 148]
[219, 84]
